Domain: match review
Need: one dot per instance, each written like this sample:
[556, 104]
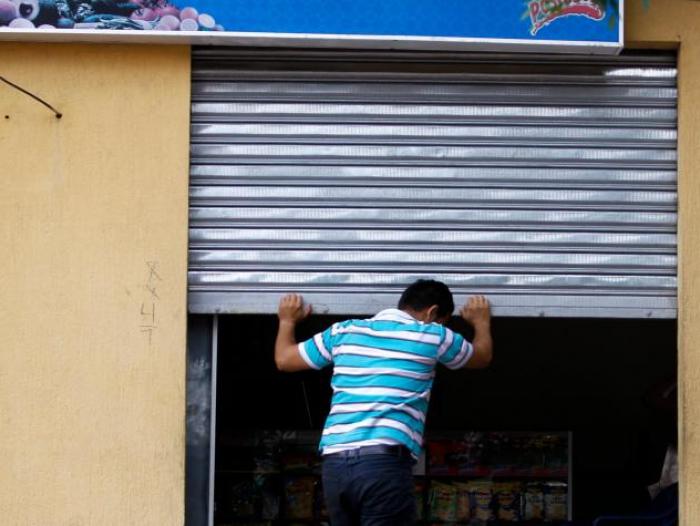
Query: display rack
[270, 478]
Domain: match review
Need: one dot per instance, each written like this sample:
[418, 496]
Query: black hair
[425, 293]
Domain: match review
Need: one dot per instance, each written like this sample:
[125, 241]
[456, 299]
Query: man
[383, 370]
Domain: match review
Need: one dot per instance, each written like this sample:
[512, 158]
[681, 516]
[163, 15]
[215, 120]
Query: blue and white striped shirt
[383, 371]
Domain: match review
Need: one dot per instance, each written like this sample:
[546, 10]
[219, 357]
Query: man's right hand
[292, 309]
[476, 311]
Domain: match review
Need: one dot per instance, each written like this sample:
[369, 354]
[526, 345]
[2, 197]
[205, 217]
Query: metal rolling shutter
[547, 183]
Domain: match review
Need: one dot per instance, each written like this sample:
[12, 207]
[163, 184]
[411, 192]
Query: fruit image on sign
[158, 15]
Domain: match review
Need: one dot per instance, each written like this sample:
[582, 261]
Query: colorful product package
[298, 460]
[244, 499]
[555, 501]
[471, 462]
[481, 492]
[270, 498]
[299, 497]
[443, 502]
[320, 503]
[420, 499]
[441, 457]
[508, 501]
[533, 502]
[464, 502]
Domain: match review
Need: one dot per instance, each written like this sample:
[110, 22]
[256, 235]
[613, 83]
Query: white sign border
[229, 38]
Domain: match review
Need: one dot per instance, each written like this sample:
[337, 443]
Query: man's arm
[291, 311]
[477, 313]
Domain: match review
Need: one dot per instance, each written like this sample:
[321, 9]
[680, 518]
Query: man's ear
[432, 314]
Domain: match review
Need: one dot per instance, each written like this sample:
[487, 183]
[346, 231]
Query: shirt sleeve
[454, 351]
[317, 351]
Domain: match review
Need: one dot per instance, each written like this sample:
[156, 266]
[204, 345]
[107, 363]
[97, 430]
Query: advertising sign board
[586, 26]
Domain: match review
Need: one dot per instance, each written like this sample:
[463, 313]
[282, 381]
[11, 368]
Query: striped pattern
[383, 371]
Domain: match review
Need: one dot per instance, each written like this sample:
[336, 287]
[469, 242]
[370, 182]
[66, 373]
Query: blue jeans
[371, 490]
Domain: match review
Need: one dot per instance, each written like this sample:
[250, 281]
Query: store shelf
[273, 522]
[491, 523]
[318, 522]
[498, 476]
[248, 472]
[493, 458]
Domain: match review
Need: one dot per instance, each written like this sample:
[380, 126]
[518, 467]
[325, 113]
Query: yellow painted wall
[91, 411]
[677, 23]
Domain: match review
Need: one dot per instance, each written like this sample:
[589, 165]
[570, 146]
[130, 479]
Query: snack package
[299, 497]
[556, 456]
[508, 501]
[420, 499]
[533, 502]
[298, 460]
[269, 495]
[481, 492]
[443, 502]
[555, 501]
[439, 457]
[266, 456]
[472, 460]
[464, 502]
[244, 499]
[320, 504]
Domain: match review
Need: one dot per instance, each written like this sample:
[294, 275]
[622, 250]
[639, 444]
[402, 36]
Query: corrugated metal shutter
[548, 184]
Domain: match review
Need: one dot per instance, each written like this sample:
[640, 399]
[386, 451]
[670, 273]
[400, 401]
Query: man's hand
[478, 313]
[292, 309]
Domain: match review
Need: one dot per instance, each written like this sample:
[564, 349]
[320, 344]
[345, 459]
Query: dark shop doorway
[572, 420]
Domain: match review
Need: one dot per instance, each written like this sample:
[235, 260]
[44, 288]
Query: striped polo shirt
[383, 371]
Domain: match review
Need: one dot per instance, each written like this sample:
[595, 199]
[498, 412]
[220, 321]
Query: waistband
[394, 451]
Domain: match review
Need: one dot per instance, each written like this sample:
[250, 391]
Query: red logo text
[544, 12]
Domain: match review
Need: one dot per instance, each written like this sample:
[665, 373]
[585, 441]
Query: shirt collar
[395, 315]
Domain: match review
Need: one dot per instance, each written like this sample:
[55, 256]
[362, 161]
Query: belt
[394, 451]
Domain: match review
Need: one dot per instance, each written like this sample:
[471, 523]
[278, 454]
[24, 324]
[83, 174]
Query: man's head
[428, 300]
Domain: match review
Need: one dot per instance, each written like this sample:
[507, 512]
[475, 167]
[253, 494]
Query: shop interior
[571, 421]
